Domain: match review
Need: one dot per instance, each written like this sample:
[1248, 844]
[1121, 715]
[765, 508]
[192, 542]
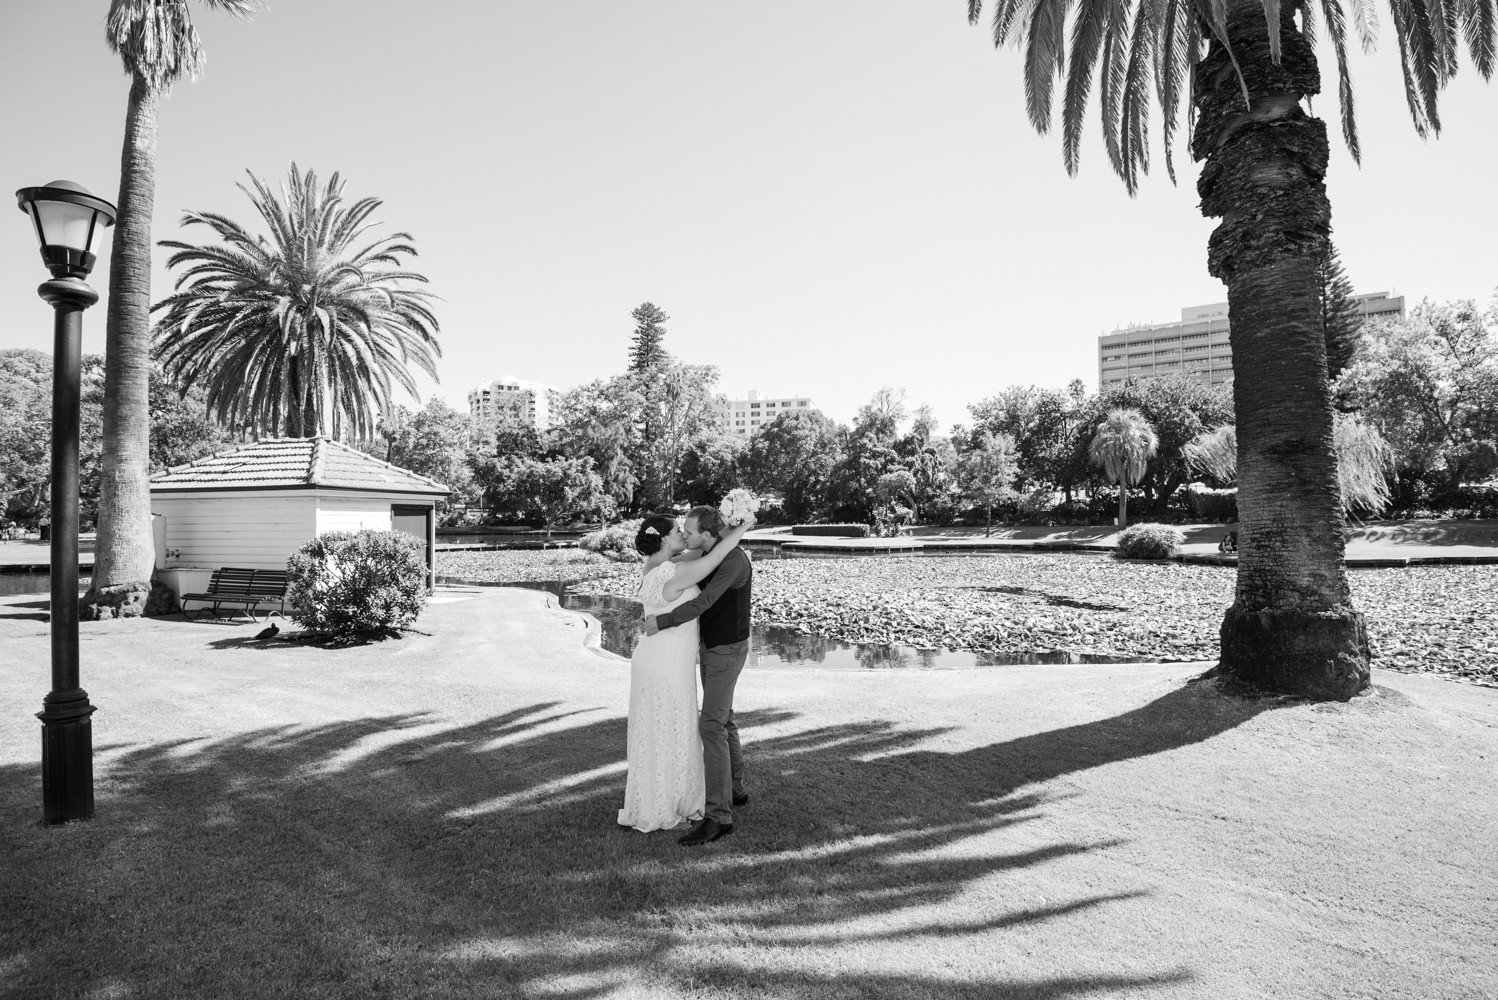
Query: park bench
[245, 587]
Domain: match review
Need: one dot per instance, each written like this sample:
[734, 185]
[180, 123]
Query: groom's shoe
[705, 832]
[741, 798]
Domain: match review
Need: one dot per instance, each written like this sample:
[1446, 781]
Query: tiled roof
[294, 462]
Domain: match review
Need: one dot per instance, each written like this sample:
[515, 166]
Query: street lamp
[67, 219]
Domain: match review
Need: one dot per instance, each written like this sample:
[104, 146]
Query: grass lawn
[434, 818]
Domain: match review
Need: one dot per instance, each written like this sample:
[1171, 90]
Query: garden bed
[1436, 619]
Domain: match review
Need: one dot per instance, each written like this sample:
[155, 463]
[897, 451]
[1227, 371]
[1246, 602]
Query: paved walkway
[1375, 544]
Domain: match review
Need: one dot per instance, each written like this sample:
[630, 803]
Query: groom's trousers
[722, 761]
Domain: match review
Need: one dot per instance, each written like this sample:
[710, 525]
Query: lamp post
[67, 218]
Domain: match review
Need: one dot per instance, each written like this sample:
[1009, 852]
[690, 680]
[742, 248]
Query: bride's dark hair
[646, 543]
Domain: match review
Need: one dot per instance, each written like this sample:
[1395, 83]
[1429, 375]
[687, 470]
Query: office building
[1197, 345]
[746, 415]
[532, 402]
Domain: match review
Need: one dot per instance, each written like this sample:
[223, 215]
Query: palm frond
[1114, 74]
[1133, 139]
[1006, 15]
[1086, 40]
[1365, 20]
[1336, 30]
[1478, 18]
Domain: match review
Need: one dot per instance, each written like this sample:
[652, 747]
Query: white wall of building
[251, 528]
[746, 415]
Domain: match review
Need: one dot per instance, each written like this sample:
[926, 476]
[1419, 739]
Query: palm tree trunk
[1123, 504]
[1292, 627]
[125, 553]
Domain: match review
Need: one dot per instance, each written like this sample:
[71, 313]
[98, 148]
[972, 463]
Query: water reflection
[774, 646]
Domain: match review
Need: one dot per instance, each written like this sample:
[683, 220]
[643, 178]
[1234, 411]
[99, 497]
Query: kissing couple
[696, 584]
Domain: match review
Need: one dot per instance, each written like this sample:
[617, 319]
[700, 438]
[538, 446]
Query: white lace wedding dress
[665, 784]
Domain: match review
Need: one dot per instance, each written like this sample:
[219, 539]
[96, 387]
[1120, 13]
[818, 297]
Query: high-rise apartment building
[1197, 345]
[746, 415]
[532, 402]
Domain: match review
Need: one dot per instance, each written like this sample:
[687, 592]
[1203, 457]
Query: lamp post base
[67, 757]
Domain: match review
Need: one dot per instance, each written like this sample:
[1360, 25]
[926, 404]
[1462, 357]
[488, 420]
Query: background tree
[25, 434]
[157, 46]
[1251, 71]
[1340, 319]
[646, 350]
[1177, 408]
[1364, 461]
[1429, 383]
[301, 334]
[182, 430]
[868, 452]
[678, 408]
[794, 456]
[986, 472]
[1123, 444]
[435, 442]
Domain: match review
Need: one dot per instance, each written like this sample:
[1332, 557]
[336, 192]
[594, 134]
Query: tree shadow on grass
[392, 856]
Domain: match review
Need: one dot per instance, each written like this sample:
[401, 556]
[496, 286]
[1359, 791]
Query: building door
[416, 520]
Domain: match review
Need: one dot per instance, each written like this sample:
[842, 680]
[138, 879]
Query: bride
[665, 783]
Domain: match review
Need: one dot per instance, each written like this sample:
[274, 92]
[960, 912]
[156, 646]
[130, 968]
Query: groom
[724, 608]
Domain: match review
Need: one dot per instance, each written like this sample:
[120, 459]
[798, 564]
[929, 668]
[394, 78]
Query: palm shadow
[382, 855]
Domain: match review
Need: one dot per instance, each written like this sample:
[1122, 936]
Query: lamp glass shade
[64, 224]
[68, 220]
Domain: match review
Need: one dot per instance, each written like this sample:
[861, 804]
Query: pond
[773, 646]
[12, 584]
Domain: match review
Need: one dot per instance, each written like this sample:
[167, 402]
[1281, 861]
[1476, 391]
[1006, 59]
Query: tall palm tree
[158, 45]
[301, 334]
[1251, 68]
[1123, 444]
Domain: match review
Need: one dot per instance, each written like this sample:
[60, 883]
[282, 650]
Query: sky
[825, 202]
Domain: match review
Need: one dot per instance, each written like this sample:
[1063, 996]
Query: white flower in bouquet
[737, 506]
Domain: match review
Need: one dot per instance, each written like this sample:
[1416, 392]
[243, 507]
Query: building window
[803, 403]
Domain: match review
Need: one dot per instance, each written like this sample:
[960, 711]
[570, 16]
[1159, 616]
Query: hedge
[836, 530]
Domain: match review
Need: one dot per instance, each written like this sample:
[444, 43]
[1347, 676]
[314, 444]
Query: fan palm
[1123, 444]
[1250, 68]
[301, 334]
[158, 45]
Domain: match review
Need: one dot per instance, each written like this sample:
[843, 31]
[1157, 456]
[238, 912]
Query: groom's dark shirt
[723, 603]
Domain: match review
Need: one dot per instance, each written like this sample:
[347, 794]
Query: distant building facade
[746, 415]
[533, 402]
[1197, 345]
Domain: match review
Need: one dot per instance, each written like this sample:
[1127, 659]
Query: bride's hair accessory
[651, 534]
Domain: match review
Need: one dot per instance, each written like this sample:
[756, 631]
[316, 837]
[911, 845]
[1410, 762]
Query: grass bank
[433, 818]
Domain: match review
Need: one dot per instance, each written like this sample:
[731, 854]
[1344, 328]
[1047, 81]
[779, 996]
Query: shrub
[1218, 506]
[1148, 541]
[356, 585]
[616, 542]
[835, 530]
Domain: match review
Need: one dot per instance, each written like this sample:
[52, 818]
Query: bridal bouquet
[737, 506]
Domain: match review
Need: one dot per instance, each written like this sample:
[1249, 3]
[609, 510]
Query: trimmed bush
[616, 542]
[1215, 506]
[834, 530]
[357, 585]
[1148, 541]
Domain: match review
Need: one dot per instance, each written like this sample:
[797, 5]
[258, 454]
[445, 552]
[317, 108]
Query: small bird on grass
[268, 633]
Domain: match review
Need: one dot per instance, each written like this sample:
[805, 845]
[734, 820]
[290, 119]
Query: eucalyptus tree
[158, 46]
[1247, 69]
[305, 333]
[1123, 443]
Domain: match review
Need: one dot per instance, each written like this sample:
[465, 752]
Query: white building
[253, 506]
[746, 415]
[533, 402]
[1197, 345]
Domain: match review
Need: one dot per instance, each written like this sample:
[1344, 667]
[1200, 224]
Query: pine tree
[646, 352]
[1340, 320]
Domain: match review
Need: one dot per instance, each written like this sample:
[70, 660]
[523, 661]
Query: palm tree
[1123, 444]
[299, 334]
[1251, 69]
[158, 45]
